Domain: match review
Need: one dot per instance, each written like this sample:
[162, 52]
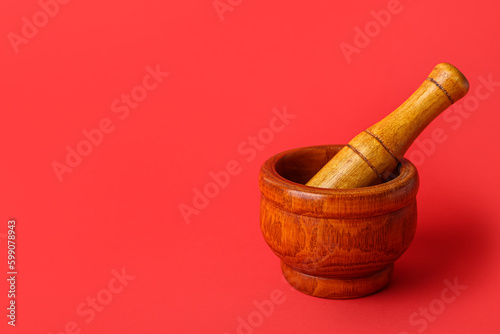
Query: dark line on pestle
[368, 162]
[442, 88]
[383, 145]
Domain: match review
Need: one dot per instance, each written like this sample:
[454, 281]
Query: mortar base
[334, 287]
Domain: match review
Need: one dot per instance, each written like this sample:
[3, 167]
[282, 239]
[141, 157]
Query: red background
[119, 208]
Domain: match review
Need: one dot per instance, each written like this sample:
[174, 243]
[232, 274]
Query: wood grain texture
[372, 155]
[335, 243]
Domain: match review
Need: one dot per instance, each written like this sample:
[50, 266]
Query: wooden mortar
[335, 243]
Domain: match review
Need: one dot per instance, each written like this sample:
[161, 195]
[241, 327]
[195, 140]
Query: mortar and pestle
[339, 216]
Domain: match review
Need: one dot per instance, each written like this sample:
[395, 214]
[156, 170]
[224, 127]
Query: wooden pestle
[372, 155]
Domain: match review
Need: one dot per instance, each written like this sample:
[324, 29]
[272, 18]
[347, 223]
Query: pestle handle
[372, 155]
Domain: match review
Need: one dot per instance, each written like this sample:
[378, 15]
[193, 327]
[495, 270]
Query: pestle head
[451, 80]
[372, 155]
